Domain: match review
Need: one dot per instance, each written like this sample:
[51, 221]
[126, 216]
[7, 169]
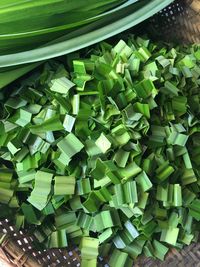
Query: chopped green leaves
[108, 153]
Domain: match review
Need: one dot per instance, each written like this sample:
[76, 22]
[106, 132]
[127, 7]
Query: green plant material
[64, 185]
[106, 219]
[40, 194]
[10, 75]
[58, 239]
[67, 25]
[61, 85]
[83, 186]
[70, 145]
[144, 182]
[121, 258]
[21, 117]
[195, 209]
[89, 251]
[68, 123]
[170, 235]
[106, 152]
[31, 214]
[103, 143]
[164, 171]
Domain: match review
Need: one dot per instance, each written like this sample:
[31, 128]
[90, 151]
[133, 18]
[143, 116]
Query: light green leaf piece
[84, 221]
[188, 61]
[131, 229]
[187, 238]
[187, 161]
[121, 258]
[40, 194]
[58, 239]
[83, 186]
[88, 263]
[121, 157]
[142, 108]
[14, 146]
[38, 145]
[177, 139]
[170, 89]
[145, 88]
[26, 176]
[15, 103]
[150, 71]
[92, 149]
[91, 204]
[61, 85]
[164, 171]
[64, 219]
[75, 104]
[89, 248]
[179, 104]
[129, 171]
[29, 162]
[103, 143]
[52, 124]
[64, 185]
[21, 117]
[162, 193]
[145, 53]
[188, 177]
[68, 123]
[81, 77]
[101, 168]
[103, 194]
[130, 192]
[103, 220]
[143, 200]
[70, 145]
[61, 161]
[164, 62]
[170, 235]
[144, 182]
[119, 197]
[122, 49]
[105, 235]
[177, 195]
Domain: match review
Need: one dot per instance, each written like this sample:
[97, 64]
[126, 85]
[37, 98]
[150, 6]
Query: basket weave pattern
[18, 248]
[178, 22]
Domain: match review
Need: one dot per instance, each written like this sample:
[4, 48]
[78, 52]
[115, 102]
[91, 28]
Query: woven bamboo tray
[178, 22]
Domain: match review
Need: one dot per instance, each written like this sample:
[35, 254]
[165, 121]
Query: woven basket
[178, 22]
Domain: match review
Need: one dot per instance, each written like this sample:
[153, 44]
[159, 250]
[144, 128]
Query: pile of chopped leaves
[102, 149]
